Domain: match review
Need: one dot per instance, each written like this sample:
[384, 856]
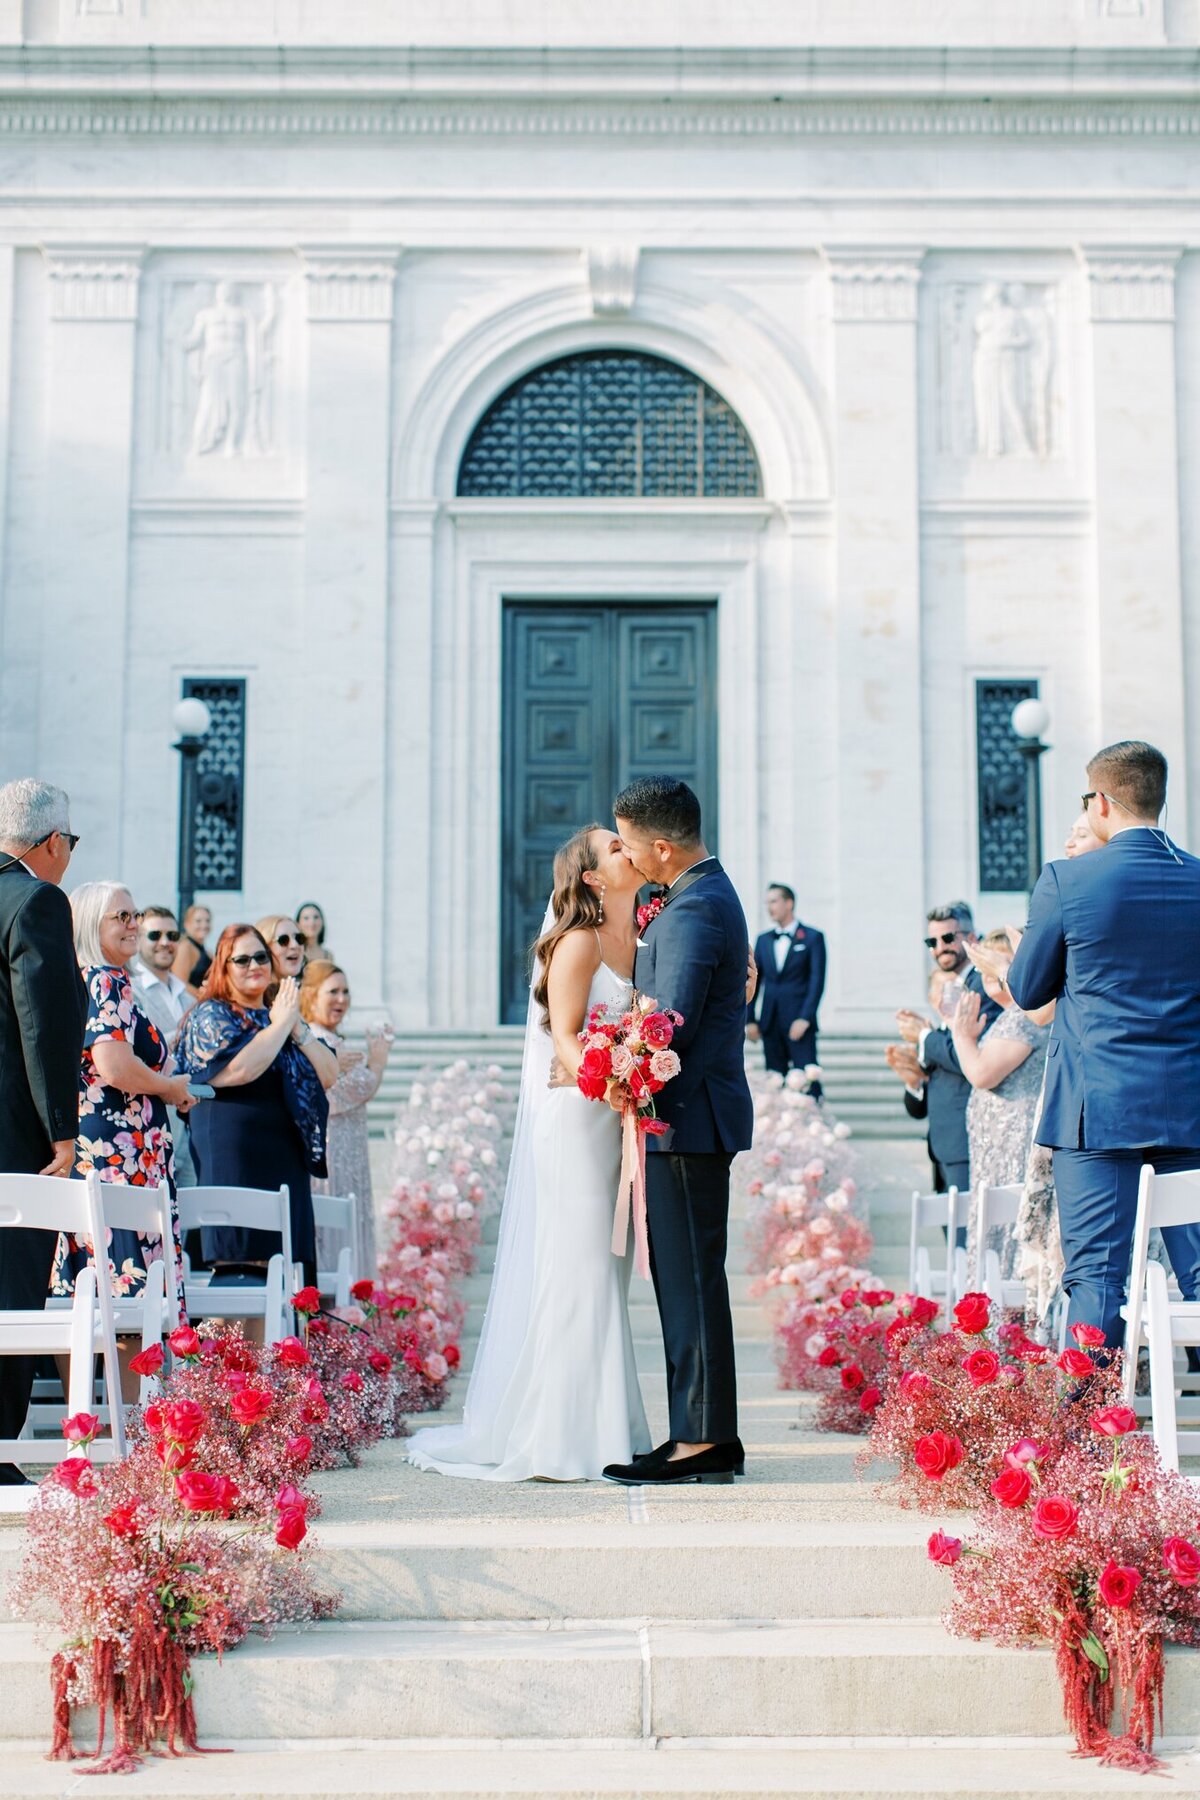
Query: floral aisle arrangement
[448, 1176]
[845, 1350]
[806, 1243]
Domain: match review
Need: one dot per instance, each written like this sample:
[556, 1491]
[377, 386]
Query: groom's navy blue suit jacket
[693, 960]
[1115, 938]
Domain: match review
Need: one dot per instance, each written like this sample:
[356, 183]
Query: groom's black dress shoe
[657, 1470]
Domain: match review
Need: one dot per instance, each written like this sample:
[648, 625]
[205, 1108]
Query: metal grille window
[1003, 795]
[610, 424]
[218, 790]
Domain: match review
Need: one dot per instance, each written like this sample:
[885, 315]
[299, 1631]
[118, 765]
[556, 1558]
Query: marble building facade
[266, 267]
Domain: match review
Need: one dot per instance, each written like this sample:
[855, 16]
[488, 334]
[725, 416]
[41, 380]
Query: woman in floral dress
[126, 1082]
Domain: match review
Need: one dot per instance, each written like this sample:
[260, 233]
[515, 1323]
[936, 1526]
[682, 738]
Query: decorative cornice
[536, 118]
[1131, 286]
[93, 283]
[349, 286]
[873, 286]
[612, 277]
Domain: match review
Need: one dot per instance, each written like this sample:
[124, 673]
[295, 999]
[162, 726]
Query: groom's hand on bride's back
[558, 1075]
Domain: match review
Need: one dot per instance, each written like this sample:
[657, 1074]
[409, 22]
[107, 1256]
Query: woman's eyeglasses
[153, 937]
[123, 918]
[256, 959]
[285, 941]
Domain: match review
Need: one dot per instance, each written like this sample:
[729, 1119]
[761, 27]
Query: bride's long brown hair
[574, 904]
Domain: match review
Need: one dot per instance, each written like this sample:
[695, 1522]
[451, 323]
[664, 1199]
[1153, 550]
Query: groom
[692, 958]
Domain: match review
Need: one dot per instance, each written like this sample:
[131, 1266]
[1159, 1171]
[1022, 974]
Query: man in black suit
[692, 958]
[790, 959]
[935, 1086]
[43, 1008]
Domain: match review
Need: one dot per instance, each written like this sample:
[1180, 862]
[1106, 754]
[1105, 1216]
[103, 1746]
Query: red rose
[315, 1411]
[943, 1549]
[380, 1361]
[307, 1300]
[318, 1328]
[412, 1357]
[202, 1493]
[852, 1377]
[920, 1310]
[1054, 1518]
[1012, 1487]
[404, 1303]
[299, 1448]
[148, 1361]
[453, 1355]
[363, 1291]
[184, 1342]
[234, 1380]
[827, 1358]
[972, 1314]
[291, 1353]
[878, 1297]
[1118, 1584]
[1076, 1362]
[236, 1353]
[291, 1530]
[352, 1381]
[938, 1453]
[251, 1405]
[657, 1031]
[1113, 1421]
[290, 1499]
[1026, 1451]
[1182, 1560]
[654, 1127]
[869, 1399]
[122, 1521]
[849, 1298]
[982, 1366]
[182, 1421]
[77, 1475]
[1088, 1337]
[80, 1428]
[915, 1383]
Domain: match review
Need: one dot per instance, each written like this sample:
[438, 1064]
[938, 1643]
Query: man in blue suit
[1115, 940]
[693, 958]
[790, 959]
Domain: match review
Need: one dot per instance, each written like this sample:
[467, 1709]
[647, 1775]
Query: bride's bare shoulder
[578, 948]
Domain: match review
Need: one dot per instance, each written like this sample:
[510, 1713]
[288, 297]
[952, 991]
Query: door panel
[593, 694]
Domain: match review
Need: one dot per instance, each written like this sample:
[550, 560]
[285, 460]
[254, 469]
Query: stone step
[614, 1680]
[819, 1770]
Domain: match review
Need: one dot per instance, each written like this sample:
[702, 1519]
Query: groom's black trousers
[687, 1207]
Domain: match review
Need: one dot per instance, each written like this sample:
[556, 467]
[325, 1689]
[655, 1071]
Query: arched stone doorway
[598, 689]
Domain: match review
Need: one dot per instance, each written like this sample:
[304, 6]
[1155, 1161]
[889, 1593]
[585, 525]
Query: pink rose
[1182, 1559]
[1076, 1362]
[291, 1530]
[982, 1366]
[1054, 1518]
[943, 1549]
[915, 1383]
[251, 1405]
[148, 1361]
[80, 1428]
[1114, 1421]
[299, 1448]
[1012, 1487]
[937, 1454]
[77, 1475]
[184, 1342]
[291, 1354]
[1088, 1337]
[972, 1314]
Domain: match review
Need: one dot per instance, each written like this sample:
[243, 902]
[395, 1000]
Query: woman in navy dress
[126, 1080]
[265, 1125]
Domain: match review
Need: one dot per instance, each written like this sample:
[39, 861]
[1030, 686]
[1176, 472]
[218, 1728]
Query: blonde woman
[324, 1002]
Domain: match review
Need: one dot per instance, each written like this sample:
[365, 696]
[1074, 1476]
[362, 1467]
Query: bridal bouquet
[625, 1062]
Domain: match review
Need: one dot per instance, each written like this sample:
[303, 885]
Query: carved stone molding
[95, 284]
[869, 288]
[612, 276]
[349, 287]
[1131, 287]
[86, 118]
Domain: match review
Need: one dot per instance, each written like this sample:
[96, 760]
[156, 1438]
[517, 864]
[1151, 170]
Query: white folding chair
[154, 1309]
[1163, 1200]
[246, 1209]
[338, 1212]
[948, 1283]
[994, 1207]
[85, 1329]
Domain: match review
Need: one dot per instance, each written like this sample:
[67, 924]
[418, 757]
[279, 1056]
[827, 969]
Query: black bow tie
[780, 934]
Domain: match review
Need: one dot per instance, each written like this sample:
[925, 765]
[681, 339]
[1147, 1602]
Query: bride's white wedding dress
[555, 1391]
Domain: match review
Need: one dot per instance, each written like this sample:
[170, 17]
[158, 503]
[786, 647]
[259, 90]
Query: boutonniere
[798, 936]
[647, 914]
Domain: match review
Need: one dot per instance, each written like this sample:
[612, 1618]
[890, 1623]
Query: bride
[554, 1392]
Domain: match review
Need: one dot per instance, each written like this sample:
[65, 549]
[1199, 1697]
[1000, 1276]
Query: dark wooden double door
[594, 694]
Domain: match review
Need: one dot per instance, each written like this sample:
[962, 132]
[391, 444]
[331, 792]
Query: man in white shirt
[791, 979]
[164, 999]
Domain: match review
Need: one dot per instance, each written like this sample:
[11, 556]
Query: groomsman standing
[791, 979]
[1115, 941]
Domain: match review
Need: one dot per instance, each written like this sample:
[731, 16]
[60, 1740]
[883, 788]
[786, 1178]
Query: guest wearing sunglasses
[286, 943]
[265, 1125]
[165, 1000]
[126, 1082]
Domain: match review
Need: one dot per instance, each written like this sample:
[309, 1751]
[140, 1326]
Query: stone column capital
[95, 282]
[872, 286]
[347, 286]
[1133, 286]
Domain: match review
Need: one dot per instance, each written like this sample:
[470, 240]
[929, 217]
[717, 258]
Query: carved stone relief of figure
[231, 349]
[1011, 372]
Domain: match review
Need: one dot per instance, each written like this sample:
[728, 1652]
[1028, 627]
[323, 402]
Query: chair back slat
[1172, 1199]
[46, 1202]
[334, 1212]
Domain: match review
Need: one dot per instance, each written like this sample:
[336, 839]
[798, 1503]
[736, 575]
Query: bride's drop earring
[600, 915]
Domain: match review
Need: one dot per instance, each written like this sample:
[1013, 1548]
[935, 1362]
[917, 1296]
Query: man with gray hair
[43, 1008]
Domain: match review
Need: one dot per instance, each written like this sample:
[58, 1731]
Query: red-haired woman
[265, 1124]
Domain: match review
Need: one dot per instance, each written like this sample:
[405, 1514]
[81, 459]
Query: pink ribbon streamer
[631, 1196]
